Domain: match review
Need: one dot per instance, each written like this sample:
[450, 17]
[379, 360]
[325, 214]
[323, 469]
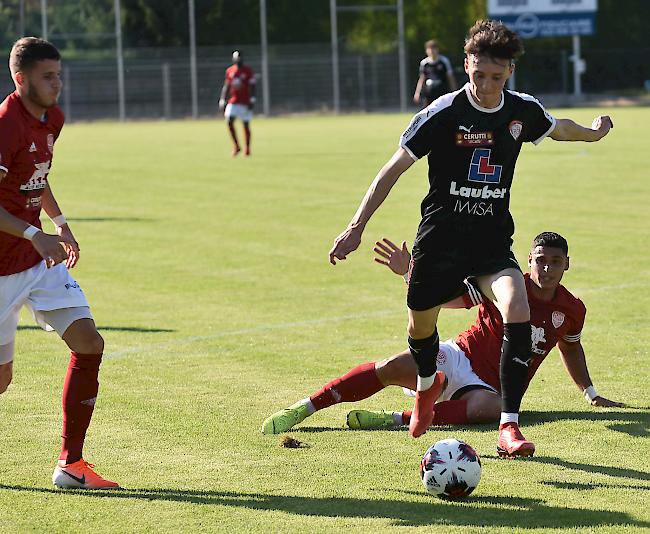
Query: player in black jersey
[472, 138]
[436, 76]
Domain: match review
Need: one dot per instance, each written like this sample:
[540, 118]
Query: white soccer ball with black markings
[450, 469]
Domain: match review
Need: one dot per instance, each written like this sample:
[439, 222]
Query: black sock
[424, 352]
[516, 354]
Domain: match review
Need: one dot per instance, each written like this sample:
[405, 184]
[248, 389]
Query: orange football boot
[512, 442]
[422, 415]
[80, 475]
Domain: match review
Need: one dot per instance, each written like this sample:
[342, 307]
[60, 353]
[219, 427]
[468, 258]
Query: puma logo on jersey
[466, 129]
[520, 362]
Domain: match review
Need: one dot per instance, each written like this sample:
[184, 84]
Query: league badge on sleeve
[50, 142]
[557, 318]
[515, 128]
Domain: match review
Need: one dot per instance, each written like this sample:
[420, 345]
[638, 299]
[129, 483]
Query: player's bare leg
[247, 137]
[424, 345]
[507, 290]
[79, 395]
[233, 134]
[6, 375]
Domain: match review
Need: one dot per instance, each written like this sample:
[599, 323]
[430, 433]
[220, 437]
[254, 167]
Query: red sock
[360, 383]
[247, 135]
[79, 395]
[233, 134]
[453, 412]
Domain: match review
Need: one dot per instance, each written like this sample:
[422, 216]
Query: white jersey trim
[3, 168]
[572, 338]
[423, 116]
[468, 91]
[531, 98]
[474, 294]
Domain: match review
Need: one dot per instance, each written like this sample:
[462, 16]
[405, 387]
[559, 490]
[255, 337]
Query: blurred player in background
[472, 138]
[34, 265]
[471, 362]
[436, 76]
[237, 100]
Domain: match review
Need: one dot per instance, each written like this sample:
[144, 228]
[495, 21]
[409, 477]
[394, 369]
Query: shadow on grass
[476, 511]
[621, 472]
[112, 329]
[628, 422]
[591, 486]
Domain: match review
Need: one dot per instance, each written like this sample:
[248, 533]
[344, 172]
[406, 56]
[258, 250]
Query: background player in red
[33, 264]
[238, 99]
[472, 139]
[471, 362]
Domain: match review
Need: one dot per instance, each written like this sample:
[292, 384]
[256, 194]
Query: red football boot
[422, 415]
[512, 442]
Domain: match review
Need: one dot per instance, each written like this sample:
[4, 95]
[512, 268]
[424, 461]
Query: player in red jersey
[237, 99]
[34, 265]
[471, 362]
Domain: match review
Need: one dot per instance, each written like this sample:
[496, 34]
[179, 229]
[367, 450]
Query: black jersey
[435, 76]
[472, 153]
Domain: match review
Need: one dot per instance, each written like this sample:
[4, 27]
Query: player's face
[487, 77]
[547, 265]
[42, 83]
[432, 51]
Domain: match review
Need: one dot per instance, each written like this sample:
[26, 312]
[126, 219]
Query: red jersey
[26, 147]
[560, 318]
[239, 80]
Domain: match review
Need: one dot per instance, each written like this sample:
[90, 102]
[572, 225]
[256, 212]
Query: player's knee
[516, 311]
[485, 408]
[393, 370]
[6, 375]
[91, 343]
[420, 331]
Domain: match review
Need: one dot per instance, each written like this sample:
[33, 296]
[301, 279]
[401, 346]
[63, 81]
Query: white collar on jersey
[468, 91]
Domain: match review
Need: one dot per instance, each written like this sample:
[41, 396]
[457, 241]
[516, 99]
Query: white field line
[253, 330]
[313, 322]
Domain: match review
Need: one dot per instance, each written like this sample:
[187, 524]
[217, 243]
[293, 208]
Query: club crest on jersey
[557, 318]
[480, 169]
[50, 142]
[515, 128]
[467, 138]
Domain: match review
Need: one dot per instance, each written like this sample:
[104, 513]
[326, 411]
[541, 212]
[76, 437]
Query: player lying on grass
[471, 362]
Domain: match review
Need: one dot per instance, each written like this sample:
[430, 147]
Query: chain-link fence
[157, 81]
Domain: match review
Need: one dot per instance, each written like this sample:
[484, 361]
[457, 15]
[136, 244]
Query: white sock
[310, 405]
[397, 418]
[425, 382]
[509, 418]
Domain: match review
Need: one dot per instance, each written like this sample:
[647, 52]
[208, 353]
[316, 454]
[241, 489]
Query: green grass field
[209, 279]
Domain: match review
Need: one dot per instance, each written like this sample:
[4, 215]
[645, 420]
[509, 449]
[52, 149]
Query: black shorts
[437, 275]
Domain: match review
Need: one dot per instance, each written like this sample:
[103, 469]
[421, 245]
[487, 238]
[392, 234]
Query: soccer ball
[450, 469]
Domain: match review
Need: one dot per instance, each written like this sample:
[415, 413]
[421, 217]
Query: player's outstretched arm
[349, 240]
[223, 96]
[568, 130]
[573, 356]
[51, 207]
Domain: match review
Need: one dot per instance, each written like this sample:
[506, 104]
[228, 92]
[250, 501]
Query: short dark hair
[29, 50]
[493, 39]
[551, 239]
